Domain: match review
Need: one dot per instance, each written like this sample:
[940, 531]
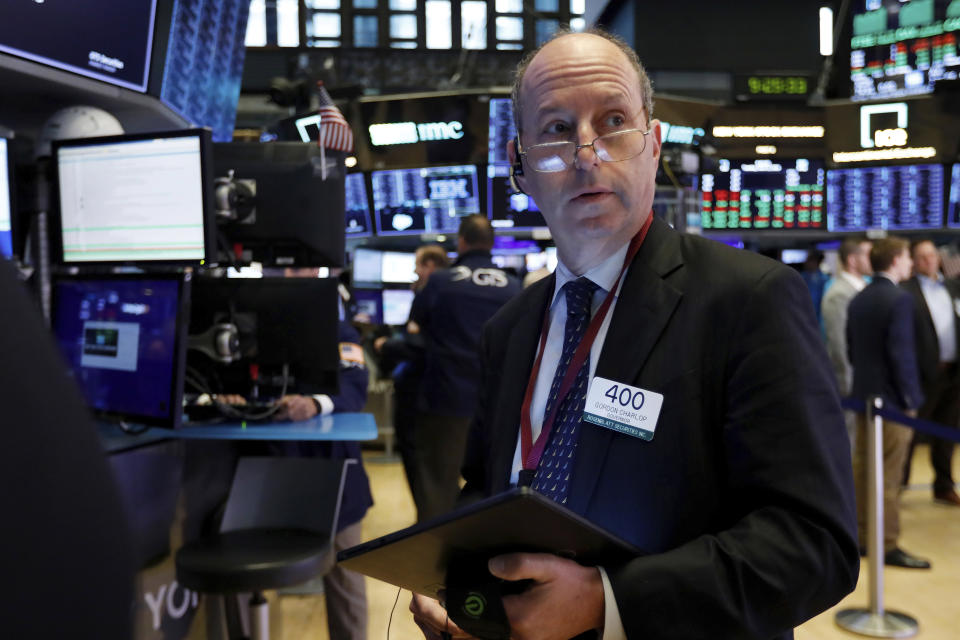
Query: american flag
[335, 132]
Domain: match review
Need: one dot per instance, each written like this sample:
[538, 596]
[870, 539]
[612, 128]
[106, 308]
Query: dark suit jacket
[743, 501]
[928, 345]
[880, 340]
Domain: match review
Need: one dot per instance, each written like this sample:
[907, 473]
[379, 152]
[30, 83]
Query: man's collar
[603, 275]
[923, 279]
[858, 282]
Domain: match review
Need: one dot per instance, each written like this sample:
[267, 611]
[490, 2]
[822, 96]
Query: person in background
[880, 339]
[402, 355]
[737, 486]
[815, 278]
[849, 281]
[450, 312]
[937, 328]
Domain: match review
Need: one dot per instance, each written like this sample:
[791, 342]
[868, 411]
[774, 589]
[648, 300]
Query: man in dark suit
[881, 344]
[937, 326]
[450, 312]
[738, 490]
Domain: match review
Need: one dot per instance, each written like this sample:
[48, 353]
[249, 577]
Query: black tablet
[521, 519]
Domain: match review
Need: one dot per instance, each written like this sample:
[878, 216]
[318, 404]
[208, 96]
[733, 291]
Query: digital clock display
[779, 87]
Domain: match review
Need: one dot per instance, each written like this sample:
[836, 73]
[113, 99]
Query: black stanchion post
[876, 621]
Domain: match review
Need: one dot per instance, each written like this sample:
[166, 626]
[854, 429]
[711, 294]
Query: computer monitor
[427, 200]
[357, 207]
[264, 336]
[398, 268]
[6, 201]
[905, 197]
[123, 337]
[369, 304]
[953, 208]
[396, 306]
[287, 213]
[134, 199]
[507, 208]
[516, 262]
[367, 268]
[102, 39]
[764, 194]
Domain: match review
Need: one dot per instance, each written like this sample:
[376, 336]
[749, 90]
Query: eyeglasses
[551, 157]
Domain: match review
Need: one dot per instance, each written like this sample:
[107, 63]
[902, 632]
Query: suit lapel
[644, 307]
[521, 350]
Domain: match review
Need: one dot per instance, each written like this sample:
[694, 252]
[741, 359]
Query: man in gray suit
[849, 281]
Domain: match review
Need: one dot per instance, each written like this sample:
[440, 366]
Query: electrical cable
[392, 609]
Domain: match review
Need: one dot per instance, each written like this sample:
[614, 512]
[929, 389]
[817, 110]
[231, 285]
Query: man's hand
[296, 408]
[432, 619]
[565, 600]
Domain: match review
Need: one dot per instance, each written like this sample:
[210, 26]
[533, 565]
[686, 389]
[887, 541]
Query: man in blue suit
[880, 339]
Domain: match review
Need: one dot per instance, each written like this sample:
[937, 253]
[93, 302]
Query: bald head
[589, 38]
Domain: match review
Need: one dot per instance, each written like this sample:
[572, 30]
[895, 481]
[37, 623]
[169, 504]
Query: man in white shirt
[849, 281]
[937, 327]
[738, 488]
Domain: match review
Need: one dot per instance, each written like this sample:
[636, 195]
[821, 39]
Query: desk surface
[337, 426]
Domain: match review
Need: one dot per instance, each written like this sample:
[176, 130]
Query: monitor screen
[502, 130]
[764, 194]
[369, 306]
[506, 208]
[396, 306]
[398, 268]
[953, 208]
[428, 200]
[6, 202]
[902, 47]
[141, 198]
[123, 338]
[101, 39]
[357, 207]
[367, 265]
[517, 262]
[895, 198]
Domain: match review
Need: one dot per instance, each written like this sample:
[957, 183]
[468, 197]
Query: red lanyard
[530, 452]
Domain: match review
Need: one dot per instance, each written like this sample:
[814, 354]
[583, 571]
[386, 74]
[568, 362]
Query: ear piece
[516, 169]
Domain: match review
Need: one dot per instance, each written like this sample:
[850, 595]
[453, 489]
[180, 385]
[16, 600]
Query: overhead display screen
[101, 39]
[356, 207]
[764, 194]
[903, 197]
[953, 208]
[6, 235]
[428, 200]
[903, 47]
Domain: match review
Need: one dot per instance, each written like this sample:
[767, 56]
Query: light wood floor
[929, 530]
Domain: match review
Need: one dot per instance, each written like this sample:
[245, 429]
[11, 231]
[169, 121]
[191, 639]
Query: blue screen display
[6, 236]
[953, 211]
[356, 207]
[204, 64]
[502, 129]
[896, 198]
[119, 337]
[506, 208]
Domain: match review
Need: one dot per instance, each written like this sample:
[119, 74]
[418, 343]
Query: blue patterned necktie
[553, 473]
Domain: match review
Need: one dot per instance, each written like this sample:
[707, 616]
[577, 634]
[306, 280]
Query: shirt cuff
[612, 625]
[326, 404]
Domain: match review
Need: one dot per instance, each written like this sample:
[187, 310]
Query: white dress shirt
[942, 313]
[604, 275]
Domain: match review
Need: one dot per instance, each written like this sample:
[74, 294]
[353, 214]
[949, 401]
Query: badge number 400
[625, 397]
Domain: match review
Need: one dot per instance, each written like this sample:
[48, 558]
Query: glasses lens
[622, 145]
[551, 157]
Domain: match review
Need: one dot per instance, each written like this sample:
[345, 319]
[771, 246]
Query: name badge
[622, 408]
